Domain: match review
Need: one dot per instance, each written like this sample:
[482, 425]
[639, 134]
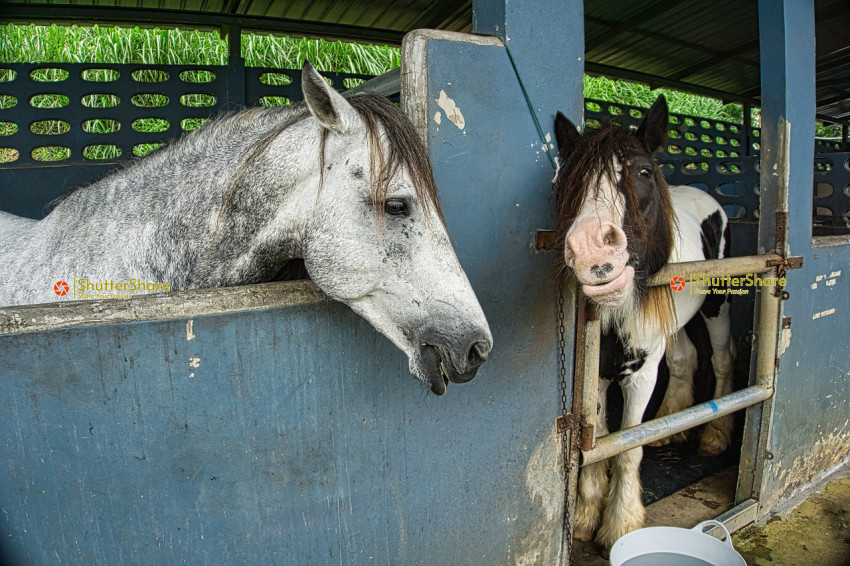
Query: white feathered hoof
[678, 438]
[716, 436]
[616, 525]
[587, 520]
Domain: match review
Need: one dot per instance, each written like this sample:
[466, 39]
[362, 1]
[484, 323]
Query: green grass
[58, 44]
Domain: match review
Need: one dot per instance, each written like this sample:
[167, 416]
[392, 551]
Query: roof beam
[52, 13]
[615, 29]
[719, 57]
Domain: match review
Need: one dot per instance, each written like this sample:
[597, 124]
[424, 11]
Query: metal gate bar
[656, 429]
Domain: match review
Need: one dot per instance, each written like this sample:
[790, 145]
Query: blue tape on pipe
[713, 406]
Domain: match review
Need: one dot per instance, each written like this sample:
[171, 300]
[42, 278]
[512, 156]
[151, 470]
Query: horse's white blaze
[595, 246]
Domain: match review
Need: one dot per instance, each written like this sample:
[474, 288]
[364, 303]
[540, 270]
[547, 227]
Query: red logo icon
[677, 283]
[61, 288]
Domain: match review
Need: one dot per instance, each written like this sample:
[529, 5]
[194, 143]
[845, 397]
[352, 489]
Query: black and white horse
[619, 223]
[342, 184]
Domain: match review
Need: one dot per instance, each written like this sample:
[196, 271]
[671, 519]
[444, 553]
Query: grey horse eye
[396, 207]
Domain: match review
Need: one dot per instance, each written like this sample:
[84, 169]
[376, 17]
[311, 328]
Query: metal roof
[704, 46]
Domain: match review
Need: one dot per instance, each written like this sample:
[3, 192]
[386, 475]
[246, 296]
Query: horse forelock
[388, 126]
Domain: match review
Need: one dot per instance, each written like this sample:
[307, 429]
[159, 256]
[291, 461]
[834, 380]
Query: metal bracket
[786, 263]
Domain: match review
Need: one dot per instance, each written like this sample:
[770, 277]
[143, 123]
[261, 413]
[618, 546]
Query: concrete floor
[816, 533]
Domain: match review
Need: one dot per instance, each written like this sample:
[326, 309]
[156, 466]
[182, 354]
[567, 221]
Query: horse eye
[645, 171]
[396, 207]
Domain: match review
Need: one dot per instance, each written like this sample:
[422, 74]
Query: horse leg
[624, 511]
[593, 479]
[717, 434]
[682, 363]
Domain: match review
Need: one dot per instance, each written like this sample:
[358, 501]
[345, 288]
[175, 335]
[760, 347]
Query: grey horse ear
[566, 134]
[326, 104]
[653, 129]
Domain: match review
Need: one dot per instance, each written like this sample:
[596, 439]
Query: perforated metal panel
[106, 113]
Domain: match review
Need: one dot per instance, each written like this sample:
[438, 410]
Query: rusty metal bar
[656, 429]
[731, 267]
[590, 391]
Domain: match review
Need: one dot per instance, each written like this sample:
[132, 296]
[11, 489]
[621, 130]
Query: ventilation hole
[7, 101]
[666, 168]
[690, 137]
[756, 146]
[49, 101]
[730, 168]
[674, 149]
[719, 127]
[689, 122]
[100, 101]
[8, 128]
[705, 124]
[673, 119]
[735, 189]
[615, 111]
[757, 213]
[757, 166]
[734, 154]
[101, 126]
[846, 163]
[823, 164]
[734, 211]
[706, 152]
[351, 83]
[695, 168]
[101, 151]
[149, 100]
[734, 142]
[673, 134]
[734, 129]
[143, 149]
[100, 75]
[757, 189]
[147, 125]
[593, 124]
[756, 133]
[270, 101]
[7, 75]
[190, 124]
[197, 76]
[822, 190]
[705, 138]
[721, 140]
[149, 76]
[720, 153]
[823, 212]
[592, 107]
[197, 100]
[8, 154]
[51, 153]
[50, 127]
[847, 191]
[635, 113]
[690, 151]
[49, 75]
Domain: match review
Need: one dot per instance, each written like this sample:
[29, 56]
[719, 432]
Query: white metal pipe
[656, 429]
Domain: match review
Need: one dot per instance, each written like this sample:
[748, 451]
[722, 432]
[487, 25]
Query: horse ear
[566, 134]
[326, 104]
[653, 129]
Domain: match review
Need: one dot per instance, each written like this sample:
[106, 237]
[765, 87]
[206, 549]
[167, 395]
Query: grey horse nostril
[603, 271]
[478, 354]
[607, 267]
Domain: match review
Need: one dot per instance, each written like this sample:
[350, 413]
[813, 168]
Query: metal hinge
[786, 263]
[568, 422]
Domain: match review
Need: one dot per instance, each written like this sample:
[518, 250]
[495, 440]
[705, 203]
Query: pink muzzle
[596, 250]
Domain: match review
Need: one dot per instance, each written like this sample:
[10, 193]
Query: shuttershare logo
[84, 288]
[677, 283]
[61, 288]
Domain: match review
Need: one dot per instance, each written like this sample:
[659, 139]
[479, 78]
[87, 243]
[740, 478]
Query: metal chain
[566, 426]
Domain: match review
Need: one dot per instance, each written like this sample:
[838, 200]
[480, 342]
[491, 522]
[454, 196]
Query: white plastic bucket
[672, 546]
